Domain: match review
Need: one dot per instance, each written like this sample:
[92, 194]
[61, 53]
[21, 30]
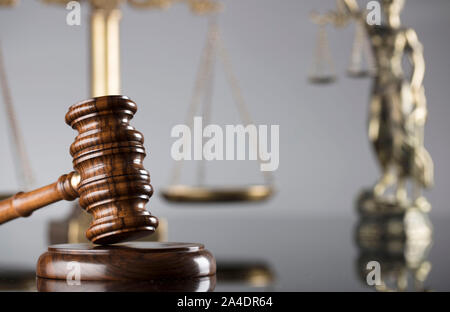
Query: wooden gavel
[109, 176]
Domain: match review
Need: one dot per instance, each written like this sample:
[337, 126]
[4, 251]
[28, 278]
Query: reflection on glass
[203, 284]
[17, 279]
[400, 241]
[255, 274]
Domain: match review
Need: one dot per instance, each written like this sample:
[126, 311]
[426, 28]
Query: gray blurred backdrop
[325, 157]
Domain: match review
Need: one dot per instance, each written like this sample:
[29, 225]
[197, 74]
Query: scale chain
[23, 170]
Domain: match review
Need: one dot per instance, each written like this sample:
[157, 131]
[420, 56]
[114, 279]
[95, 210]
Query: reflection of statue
[398, 106]
[400, 243]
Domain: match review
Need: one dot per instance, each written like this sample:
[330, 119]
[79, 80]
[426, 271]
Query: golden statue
[398, 109]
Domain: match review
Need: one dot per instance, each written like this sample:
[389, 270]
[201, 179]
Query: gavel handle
[23, 204]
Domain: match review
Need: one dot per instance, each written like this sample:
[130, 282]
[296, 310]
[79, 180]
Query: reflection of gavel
[109, 177]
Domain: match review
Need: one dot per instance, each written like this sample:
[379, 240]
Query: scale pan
[322, 79]
[358, 73]
[198, 194]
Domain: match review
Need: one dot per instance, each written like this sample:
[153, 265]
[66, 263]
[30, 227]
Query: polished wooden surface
[201, 284]
[108, 154]
[109, 176]
[23, 204]
[128, 261]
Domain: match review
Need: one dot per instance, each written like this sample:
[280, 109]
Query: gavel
[108, 177]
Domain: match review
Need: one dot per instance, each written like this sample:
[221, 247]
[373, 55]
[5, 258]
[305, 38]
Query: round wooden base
[199, 284]
[135, 261]
[198, 194]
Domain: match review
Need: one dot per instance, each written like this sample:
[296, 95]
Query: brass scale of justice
[179, 264]
[393, 228]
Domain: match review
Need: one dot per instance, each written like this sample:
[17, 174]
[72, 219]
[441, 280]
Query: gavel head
[108, 154]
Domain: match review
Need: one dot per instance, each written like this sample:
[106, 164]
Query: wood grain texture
[23, 204]
[108, 154]
[200, 284]
[128, 261]
[109, 176]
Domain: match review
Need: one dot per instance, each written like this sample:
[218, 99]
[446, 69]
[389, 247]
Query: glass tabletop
[293, 254]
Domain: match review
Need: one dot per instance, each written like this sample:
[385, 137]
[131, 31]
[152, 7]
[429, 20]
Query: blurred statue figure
[398, 109]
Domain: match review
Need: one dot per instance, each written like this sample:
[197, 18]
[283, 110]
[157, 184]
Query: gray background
[325, 157]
